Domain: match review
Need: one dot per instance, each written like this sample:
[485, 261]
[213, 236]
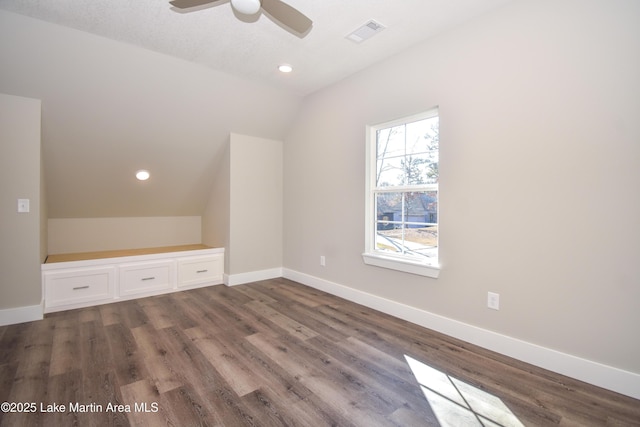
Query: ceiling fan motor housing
[276, 10]
[246, 7]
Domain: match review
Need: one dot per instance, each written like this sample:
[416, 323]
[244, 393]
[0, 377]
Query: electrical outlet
[493, 301]
[323, 260]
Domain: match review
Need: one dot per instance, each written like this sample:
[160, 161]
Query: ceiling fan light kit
[247, 7]
[277, 10]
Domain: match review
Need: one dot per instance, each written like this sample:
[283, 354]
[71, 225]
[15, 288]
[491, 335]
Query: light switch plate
[493, 301]
[23, 205]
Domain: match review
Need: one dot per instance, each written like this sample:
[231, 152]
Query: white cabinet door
[196, 271]
[146, 277]
[76, 287]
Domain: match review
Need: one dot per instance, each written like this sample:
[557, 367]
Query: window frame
[371, 255]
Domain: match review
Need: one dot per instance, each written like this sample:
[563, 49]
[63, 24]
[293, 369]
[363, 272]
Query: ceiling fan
[276, 9]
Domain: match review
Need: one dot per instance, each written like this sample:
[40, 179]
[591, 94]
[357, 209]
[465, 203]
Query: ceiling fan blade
[287, 15]
[186, 4]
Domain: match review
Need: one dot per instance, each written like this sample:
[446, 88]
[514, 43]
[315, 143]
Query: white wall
[540, 199]
[69, 235]
[20, 249]
[244, 211]
[216, 215]
[255, 227]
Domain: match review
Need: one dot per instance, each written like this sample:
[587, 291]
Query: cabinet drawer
[77, 286]
[141, 278]
[194, 271]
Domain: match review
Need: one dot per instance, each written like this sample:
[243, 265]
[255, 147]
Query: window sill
[393, 263]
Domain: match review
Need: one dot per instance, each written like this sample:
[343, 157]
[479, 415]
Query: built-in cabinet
[83, 283]
[196, 270]
[78, 287]
[141, 278]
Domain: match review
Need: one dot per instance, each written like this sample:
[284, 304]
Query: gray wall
[111, 108]
[244, 211]
[216, 216]
[539, 105]
[20, 250]
[256, 204]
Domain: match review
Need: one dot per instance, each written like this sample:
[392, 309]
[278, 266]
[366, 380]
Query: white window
[402, 194]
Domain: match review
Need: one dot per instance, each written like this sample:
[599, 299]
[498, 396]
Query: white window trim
[370, 256]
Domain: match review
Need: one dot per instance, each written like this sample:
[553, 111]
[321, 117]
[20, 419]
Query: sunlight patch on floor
[456, 403]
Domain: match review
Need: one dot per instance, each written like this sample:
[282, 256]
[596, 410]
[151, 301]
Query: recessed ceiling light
[285, 68]
[142, 175]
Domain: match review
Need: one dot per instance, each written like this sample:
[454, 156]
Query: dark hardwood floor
[274, 353]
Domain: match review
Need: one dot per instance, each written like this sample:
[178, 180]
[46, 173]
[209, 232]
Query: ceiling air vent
[366, 31]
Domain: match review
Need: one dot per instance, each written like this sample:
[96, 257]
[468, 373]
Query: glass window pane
[389, 206]
[418, 169]
[415, 133]
[421, 241]
[388, 241]
[390, 142]
[422, 135]
[390, 172]
[421, 206]
[432, 171]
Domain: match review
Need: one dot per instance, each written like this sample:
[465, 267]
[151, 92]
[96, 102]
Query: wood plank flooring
[274, 353]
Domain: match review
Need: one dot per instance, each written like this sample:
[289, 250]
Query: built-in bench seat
[84, 279]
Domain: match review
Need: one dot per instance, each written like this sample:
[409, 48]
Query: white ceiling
[110, 108]
[253, 47]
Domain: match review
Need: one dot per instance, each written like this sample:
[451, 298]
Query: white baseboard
[11, 316]
[253, 276]
[611, 378]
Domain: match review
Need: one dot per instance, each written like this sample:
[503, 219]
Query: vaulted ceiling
[254, 46]
[131, 85]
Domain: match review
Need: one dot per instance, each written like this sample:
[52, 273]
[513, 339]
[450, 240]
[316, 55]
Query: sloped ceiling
[110, 108]
[136, 85]
[253, 46]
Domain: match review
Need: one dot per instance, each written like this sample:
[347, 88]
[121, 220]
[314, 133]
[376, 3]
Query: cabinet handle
[81, 287]
[202, 271]
[147, 278]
